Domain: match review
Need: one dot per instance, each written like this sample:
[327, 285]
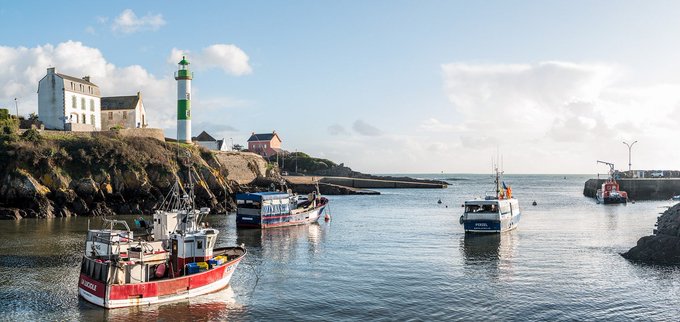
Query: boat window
[505, 209]
[199, 244]
[471, 208]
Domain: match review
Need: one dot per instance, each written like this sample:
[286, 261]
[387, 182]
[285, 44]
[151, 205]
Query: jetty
[361, 185]
[639, 188]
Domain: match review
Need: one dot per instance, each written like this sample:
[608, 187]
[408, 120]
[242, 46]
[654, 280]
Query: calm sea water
[397, 256]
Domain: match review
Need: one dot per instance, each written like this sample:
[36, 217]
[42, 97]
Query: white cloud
[26, 66]
[337, 129]
[231, 59]
[558, 116]
[366, 129]
[128, 22]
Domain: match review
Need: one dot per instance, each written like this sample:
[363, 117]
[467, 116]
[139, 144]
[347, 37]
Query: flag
[504, 186]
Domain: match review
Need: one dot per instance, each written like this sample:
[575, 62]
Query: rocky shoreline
[664, 246]
[65, 175]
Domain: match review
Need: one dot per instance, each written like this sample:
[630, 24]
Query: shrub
[32, 135]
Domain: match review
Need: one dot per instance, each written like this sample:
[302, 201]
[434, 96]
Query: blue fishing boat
[277, 209]
[495, 213]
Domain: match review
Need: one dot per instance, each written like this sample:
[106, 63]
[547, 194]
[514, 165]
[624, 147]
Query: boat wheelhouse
[276, 209]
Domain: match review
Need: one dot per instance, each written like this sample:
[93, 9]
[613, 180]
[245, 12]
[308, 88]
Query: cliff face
[62, 175]
[664, 246]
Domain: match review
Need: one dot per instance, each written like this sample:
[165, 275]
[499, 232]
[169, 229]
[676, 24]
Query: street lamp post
[16, 104]
[232, 144]
[630, 146]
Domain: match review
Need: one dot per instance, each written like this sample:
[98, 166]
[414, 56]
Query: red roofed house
[264, 144]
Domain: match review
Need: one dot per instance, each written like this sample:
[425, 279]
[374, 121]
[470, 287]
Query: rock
[80, 207]
[10, 214]
[664, 246]
[64, 196]
[85, 187]
[100, 209]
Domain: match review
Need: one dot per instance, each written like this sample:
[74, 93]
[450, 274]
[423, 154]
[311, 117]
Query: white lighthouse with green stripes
[183, 77]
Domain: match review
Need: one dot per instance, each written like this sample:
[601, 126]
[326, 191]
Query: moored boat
[176, 260]
[277, 209]
[495, 213]
[610, 193]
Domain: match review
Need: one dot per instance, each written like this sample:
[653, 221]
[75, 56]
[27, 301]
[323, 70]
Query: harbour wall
[379, 184]
[639, 189]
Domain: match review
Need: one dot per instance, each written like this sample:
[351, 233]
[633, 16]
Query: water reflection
[281, 243]
[489, 255]
[220, 305]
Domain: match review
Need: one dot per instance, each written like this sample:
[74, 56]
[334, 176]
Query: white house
[125, 111]
[69, 103]
[206, 140]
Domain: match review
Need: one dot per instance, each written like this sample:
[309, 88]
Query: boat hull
[486, 226]
[611, 200]
[116, 296]
[256, 221]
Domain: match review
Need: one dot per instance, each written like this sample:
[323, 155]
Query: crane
[611, 167]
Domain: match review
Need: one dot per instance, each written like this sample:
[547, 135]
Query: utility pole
[630, 146]
[232, 144]
[296, 156]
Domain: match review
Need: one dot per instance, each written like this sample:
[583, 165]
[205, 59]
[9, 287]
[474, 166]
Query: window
[92, 105]
[110, 115]
[188, 96]
[82, 103]
[199, 244]
[125, 115]
[84, 119]
[92, 119]
[74, 102]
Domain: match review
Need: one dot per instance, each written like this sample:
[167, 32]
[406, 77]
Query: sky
[381, 86]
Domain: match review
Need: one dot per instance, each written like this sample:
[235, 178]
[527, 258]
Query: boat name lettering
[481, 224]
[89, 285]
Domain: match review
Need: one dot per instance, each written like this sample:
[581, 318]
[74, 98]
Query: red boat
[610, 192]
[176, 262]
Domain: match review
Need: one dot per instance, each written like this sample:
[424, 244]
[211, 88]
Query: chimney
[51, 70]
[86, 78]
[139, 95]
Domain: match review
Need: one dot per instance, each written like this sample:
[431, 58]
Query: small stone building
[68, 103]
[264, 144]
[124, 111]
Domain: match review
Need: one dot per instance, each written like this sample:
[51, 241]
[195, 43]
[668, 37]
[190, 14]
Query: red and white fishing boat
[610, 193]
[176, 262]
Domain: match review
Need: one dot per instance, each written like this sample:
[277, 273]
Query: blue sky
[383, 86]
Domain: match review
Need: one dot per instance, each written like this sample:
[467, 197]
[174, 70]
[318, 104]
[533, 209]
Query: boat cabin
[263, 203]
[503, 206]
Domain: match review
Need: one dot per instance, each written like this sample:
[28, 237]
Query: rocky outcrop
[65, 175]
[664, 246]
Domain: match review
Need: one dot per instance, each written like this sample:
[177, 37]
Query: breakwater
[381, 184]
[639, 189]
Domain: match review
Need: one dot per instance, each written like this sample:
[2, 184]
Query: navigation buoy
[534, 203]
[439, 201]
[327, 217]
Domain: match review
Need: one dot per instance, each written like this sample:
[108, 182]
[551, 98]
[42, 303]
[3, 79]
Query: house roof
[263, 137]
[119, 102]
[77, 80]
[204, 136]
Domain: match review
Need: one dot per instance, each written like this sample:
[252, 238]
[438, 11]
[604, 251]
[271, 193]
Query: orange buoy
[327, 217]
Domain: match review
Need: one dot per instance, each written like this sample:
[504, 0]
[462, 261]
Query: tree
[33, 117]
[237, 147]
